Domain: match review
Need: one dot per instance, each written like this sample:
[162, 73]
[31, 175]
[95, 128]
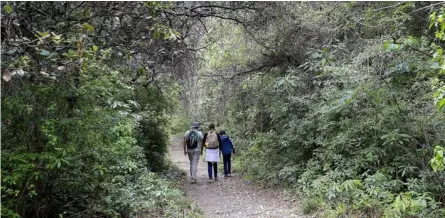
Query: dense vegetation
[342, 103]
[84, 115]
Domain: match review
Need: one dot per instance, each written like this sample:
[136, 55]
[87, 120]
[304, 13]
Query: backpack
[193, 140]
[212, 139]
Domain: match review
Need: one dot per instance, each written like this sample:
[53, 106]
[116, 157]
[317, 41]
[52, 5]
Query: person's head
[212, 126]
[222, 132]
[195, 125]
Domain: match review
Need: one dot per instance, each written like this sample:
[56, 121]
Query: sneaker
[210, 180]
[193, 180]
[229, 175]
[216, 179]
[225, 176]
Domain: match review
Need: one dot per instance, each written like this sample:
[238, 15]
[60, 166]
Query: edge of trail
[231, 197]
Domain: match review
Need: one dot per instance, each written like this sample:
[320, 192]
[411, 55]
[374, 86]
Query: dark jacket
[227, 146]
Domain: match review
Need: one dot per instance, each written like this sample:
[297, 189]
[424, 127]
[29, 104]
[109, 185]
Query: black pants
[227, 164]
[215, 168]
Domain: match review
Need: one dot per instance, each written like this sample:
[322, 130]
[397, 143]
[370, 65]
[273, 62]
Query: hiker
[192, 142]
[212, 140]
[227, 150]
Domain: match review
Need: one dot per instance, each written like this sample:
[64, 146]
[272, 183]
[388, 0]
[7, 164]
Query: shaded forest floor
[232, 197]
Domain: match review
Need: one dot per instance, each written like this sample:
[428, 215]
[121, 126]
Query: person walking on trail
[212, 140]
[192, 142]
[227, 150]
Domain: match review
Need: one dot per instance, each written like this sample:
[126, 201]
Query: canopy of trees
[341, 102]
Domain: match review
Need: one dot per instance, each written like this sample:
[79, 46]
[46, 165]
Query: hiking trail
[231, 197]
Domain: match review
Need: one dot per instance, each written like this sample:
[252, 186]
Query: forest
[340, 103]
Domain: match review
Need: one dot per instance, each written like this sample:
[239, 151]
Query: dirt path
[232, 197]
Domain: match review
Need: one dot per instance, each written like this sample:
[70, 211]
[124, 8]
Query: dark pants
[215, 168]
[227, 163]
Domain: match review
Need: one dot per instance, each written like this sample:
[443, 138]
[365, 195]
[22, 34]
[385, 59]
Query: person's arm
[219, 141]
[203, 142]
[185, 145]
[231, 145]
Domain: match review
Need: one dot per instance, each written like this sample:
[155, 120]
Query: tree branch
[268, 66]
[205, 28]
[392, 6]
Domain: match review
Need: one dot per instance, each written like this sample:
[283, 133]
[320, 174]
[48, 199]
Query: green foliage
[351, 123]
[341, 102]
[437, 20]
[8, 9]
[410, 204]
[164, 32]
[178, 124]
[79, 139]
[438, 160]
[310, 206]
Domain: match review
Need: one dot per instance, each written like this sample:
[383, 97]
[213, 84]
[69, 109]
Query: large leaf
[440, 104]
[8, 9]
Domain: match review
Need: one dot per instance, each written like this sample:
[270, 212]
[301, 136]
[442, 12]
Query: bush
[81, 147]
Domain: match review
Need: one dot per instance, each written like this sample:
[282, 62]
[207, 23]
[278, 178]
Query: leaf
[8, 9]
[440, 104]
[94, 48]
[44, 52]
[405, 135]
[438, 161]
[43, 35]
[88, 27]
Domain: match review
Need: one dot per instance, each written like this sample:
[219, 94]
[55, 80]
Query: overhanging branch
[268, 67]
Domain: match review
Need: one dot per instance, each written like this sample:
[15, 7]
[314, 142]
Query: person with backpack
[227, 150]
[213, 142]
[192, 142]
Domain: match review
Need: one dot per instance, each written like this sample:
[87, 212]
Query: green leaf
[8, 9]
[438, 161]
[405, 135]
[43, 35]
[440, 104]
[88, 27]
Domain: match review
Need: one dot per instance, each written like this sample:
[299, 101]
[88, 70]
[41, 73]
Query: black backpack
[193, 139]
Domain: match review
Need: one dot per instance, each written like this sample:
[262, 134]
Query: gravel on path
[232, 197]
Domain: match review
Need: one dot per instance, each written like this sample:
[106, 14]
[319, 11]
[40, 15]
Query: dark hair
[222, 132]
[212, 126]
